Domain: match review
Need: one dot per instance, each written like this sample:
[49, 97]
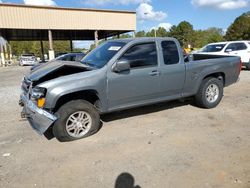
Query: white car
[27, 59]
[234, 48]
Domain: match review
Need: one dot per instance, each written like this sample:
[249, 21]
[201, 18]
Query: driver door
[138, 84]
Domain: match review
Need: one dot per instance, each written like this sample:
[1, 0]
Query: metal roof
[28, 22]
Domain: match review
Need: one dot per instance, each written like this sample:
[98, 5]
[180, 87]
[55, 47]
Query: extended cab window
[141, 55]
[170, 52]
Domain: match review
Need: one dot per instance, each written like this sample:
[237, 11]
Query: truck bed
[196, 57]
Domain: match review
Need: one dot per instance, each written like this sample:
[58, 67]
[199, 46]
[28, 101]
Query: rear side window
[236, 46]
[241, 46]
[170, 52]
[141, 55]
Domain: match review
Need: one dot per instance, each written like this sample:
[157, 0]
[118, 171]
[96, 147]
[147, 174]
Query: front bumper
[38, 118]
[28, 62]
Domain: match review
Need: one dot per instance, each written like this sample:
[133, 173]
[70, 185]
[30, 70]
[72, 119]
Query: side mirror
[121, 66]
[229, 50]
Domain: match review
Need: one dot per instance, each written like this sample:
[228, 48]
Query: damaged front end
[38, 118]
[33, 97]
[56, 69]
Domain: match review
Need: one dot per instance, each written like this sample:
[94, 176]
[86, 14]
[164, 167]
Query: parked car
[67, 98]
[71, 57]
[60, 53]
[234, 48]
[77, 57]
[27, 59]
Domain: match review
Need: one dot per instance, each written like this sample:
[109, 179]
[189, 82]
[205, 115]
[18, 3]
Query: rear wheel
[210, 93]
[76, 119]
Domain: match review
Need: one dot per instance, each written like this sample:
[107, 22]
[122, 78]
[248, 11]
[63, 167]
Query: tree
[140, 34]
[199, 39]
[21, 47]
[125, 36]
[151, 33]
[214, 35]
[240, 29]
[162, 32]
[203, 37]
[183, 32]
[92, 47]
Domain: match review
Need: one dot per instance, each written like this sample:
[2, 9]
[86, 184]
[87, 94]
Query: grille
[26, 85]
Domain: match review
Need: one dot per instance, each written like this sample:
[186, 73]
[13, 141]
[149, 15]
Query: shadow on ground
[125, 180]
[145, 110]
[244, 69]
[133, 112]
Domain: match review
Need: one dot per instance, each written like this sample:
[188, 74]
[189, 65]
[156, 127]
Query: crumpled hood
[56, 69]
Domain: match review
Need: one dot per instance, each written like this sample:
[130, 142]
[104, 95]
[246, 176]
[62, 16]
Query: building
[28, 22]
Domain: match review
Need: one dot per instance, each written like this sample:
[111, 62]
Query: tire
[76, 119]
[207, 99]
[248, 66]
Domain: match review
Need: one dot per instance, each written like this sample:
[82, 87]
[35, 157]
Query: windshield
[100, 56]
[213, 48]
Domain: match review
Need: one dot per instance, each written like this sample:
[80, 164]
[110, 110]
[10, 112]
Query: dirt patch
[166, 145]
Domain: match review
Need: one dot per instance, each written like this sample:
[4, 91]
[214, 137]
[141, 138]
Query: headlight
[38, 96]
[38, 92]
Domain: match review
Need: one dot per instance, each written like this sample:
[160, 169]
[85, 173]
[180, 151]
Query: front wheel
[210, 93]
[76, 119]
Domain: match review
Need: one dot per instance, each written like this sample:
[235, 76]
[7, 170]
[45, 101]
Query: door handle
[154, 73]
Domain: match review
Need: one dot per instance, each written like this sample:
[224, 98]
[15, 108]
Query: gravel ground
[166, 145]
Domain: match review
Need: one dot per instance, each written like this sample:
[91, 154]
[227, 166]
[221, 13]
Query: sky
[202, 14]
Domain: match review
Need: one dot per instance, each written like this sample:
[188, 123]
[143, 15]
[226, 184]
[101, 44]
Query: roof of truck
[127, 40]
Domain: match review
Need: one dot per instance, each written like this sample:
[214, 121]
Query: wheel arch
[89, 95]
[218, 75]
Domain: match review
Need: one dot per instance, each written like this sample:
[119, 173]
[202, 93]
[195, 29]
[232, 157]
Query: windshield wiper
[89, 64]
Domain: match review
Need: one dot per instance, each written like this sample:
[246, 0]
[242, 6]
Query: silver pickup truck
[67, 98]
